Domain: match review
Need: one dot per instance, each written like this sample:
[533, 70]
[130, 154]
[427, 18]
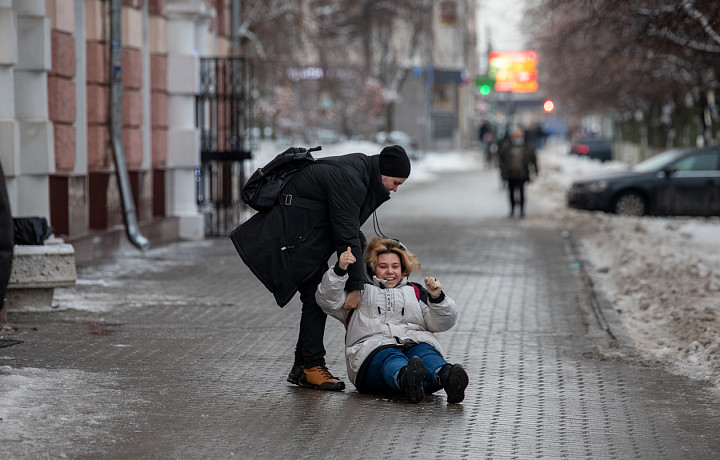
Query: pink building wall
[98, 100]
[61, 99]
[84, 195]
[159, 109]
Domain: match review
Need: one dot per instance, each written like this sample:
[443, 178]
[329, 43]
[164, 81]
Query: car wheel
[630, 204]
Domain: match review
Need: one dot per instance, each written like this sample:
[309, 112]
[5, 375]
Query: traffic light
[548, 106]
[484, 84]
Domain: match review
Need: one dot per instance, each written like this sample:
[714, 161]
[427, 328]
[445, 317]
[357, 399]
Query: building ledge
[37, 270]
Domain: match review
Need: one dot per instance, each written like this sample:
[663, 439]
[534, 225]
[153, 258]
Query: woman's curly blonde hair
[378, 246]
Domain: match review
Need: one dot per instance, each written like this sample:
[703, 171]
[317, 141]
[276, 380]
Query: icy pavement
[662, 274]
[179, 352]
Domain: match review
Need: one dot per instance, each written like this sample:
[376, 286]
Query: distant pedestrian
[484, 128]
[490, 147]
[319, 213]
[517, 156]
[538, 135]
[390, 345]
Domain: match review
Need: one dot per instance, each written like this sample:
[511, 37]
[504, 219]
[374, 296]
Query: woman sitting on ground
[390, 345]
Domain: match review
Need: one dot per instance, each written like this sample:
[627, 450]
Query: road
[180, 353]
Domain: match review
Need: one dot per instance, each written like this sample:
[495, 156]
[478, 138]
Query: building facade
[437, 104]
[56, 109]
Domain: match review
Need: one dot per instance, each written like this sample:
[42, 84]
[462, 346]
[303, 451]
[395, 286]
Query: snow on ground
[662, 274]
[78, 405]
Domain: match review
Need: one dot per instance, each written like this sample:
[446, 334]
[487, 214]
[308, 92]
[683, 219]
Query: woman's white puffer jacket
[385, 317]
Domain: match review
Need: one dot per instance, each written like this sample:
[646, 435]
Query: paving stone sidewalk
[180, 353]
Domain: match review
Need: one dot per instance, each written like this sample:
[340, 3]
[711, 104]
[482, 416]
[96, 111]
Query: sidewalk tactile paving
[195, 354]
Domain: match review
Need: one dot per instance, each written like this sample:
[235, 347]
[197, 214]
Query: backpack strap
[286, 199]
[291, 200]
[420, 292]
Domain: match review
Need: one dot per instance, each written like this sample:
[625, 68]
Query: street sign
[514, 71]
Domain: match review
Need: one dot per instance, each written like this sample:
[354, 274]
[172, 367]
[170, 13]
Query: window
[707, 161]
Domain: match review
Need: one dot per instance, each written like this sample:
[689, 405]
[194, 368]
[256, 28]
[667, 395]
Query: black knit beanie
[394, 162]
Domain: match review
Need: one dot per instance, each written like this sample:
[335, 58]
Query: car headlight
[597, 186]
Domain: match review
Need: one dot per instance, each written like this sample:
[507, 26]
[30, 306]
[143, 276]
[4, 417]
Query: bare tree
[344, 60]
[376, 42]
[627, 56]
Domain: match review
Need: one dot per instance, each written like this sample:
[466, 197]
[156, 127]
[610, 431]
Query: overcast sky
[500, 20]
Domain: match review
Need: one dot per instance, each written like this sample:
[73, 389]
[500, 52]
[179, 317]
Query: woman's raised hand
[345, 259]
[433, 286]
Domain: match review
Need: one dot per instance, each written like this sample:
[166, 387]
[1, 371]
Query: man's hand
[346, 259]
[352, 301]
[433, 287]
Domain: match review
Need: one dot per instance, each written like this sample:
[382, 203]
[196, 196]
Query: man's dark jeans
[310, 350]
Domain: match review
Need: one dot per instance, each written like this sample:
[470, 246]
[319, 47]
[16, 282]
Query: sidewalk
[180, 353]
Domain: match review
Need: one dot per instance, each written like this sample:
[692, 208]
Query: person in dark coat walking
[319, 213]
[516, 156]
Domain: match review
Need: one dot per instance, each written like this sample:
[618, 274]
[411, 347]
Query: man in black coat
[320, 213]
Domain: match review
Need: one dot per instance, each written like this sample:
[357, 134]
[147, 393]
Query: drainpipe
[131, 224]
[235, 15]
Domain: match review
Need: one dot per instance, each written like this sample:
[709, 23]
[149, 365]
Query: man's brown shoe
[320, 378]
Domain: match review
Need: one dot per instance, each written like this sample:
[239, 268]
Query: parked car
[676, 182]
[600, 149]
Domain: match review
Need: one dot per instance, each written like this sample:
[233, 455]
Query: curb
[607, 317]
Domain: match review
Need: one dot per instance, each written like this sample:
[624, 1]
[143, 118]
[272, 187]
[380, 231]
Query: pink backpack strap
[420, 292]
[417, 290]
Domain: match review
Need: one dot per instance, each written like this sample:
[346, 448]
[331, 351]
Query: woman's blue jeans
[382, 372]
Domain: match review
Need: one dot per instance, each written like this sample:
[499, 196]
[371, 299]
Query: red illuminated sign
[514, 71]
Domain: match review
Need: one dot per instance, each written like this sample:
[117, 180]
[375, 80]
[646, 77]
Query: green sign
[485, 84]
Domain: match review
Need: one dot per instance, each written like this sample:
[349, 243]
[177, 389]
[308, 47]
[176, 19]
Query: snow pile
[662, 275]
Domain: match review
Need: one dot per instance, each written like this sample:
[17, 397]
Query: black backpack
[262, 189]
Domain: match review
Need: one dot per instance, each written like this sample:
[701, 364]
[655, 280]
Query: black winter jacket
[286, 245]
[517, 168]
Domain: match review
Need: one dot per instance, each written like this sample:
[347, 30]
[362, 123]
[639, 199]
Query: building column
[9, 128]
[78, 186]
[185, 21]
[68, 212]
[144, 196]
[30, 188]
[158, 47]
[136, 110]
